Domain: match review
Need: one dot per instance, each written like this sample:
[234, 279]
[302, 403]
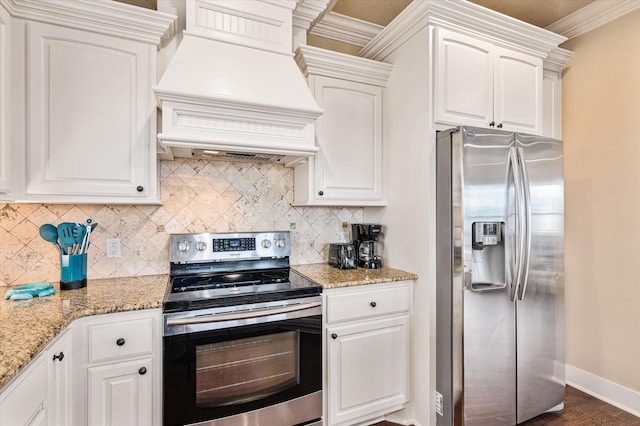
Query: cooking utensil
[85, 242]
[79, 233]
[49, 232]
[65, 236]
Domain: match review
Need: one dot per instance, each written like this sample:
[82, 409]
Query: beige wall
[601, 118]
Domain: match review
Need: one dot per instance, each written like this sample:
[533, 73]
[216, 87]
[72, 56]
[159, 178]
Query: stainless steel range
[242, 333]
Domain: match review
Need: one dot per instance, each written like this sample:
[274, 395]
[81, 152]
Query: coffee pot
[368, 247]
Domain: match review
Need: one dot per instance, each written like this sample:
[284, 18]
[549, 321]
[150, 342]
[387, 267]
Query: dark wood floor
[580, 409]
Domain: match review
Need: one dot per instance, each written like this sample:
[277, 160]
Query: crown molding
[466, 17]
[346, 29]
[106, 17]
[316, 61]
[557, 59]
[592, 16]
[308, 12]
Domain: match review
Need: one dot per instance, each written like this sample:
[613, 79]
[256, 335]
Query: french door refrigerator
[500, 277]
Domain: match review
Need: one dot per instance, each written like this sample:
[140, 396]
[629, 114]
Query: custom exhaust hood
[232, 90]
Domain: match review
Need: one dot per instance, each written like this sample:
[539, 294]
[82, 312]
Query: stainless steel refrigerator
[500, 277]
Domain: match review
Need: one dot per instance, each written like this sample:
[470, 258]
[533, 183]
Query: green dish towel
[29, 291]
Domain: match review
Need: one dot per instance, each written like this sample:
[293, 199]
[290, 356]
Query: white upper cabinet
[347, 169]
[5, 96]
[479, 84]
[87, 134]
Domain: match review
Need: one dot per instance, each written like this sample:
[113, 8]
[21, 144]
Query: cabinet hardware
[120, 342]
[493, 123]
[334, 336]
[321, 193]
[140, 188]
[142, 371]
[373, 304]
[500, 126]
[58, 357]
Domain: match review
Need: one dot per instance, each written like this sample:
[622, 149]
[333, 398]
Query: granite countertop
[29, 325]
[330, 277]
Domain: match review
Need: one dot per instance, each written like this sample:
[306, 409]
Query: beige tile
[198, 196]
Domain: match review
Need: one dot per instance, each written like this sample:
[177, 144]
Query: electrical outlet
[113, 248]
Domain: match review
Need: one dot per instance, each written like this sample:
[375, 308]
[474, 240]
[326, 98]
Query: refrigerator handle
[527, 225]
[515, 169]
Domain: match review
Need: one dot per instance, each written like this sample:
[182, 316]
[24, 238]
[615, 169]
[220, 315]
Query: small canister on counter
[73, 271]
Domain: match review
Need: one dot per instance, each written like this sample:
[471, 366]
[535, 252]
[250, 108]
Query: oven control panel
[209, 247]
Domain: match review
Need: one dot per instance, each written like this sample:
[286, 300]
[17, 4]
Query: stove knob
[280, 242]
[183, 246]
[201, 246]
[266, 243]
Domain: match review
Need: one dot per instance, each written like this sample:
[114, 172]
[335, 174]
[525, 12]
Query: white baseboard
[603, 389]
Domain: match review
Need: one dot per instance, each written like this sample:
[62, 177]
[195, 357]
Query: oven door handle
[203, 319]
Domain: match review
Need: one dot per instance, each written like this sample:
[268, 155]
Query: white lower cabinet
[101, 370]
[367, 351]
[117, 369]
[41, 393]
[23, 402]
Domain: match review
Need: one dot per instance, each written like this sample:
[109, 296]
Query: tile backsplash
[197, 196]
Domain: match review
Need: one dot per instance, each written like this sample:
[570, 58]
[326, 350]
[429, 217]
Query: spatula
[79, 232]
[65, 236]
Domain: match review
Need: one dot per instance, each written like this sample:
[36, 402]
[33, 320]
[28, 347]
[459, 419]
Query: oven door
[251, 364]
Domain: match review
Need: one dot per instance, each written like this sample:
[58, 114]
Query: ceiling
[540, 13]
[537, 12]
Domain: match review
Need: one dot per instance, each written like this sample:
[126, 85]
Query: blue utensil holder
[73, 271]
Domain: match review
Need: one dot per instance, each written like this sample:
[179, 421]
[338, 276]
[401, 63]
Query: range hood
[232, 90]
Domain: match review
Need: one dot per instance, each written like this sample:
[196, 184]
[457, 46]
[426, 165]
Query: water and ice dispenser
[488, 255]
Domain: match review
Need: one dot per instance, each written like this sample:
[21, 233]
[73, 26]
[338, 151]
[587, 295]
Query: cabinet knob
[140, 188]
[142, 371]
[120, 342]
[493, 123]
[334, 336]
[500, 126]
[59, 357]
[373, 304]
[320, 193]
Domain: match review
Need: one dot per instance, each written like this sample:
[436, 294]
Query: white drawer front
[113, 341]
[367, 303]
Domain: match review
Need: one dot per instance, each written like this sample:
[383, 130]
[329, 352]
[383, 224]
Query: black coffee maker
[369, 249]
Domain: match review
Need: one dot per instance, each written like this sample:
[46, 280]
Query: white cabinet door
[23, 401]
[5, 100]
[479, 84]
[517, 99]
[91, 115]
[59, 359]
[349, 133]
[463, 80]
[347, 169]
[120, 394]
[367, 369]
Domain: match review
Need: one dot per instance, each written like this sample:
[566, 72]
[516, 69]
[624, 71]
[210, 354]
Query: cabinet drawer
[368, 303]
[116, 340]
